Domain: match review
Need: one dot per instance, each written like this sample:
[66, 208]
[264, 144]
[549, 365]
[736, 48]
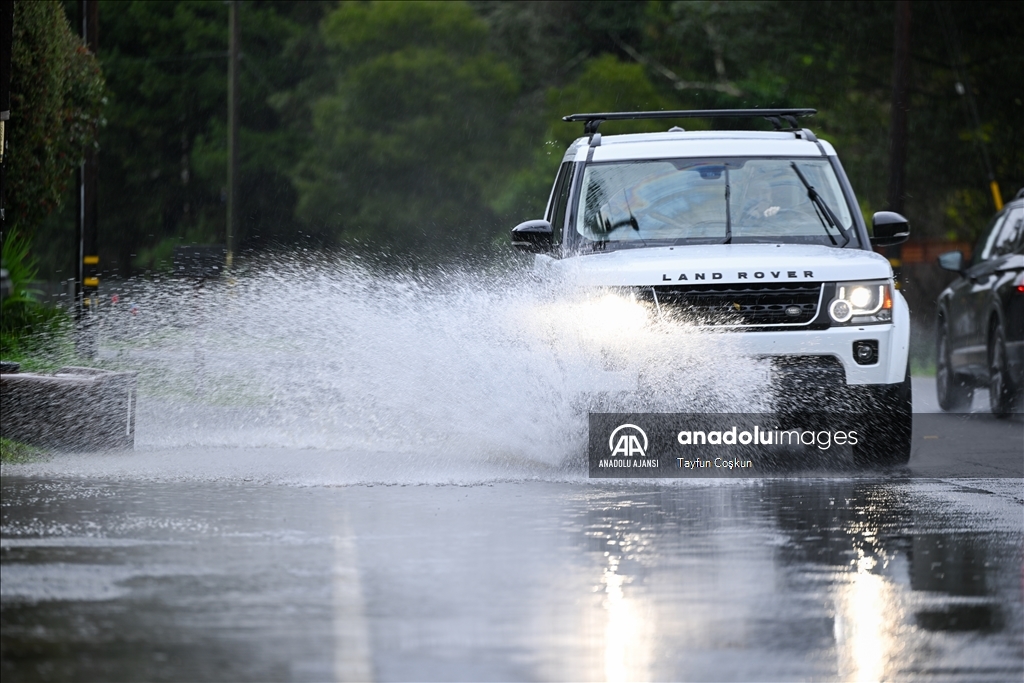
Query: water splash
[473, 363]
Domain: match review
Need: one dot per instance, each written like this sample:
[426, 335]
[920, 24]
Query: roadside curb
[72, 409]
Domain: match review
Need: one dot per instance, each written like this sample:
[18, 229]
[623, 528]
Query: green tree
[833, 56]
[837, 57]
[400, 123]
[412, 140]
[57, 100]
[163, 167]
[605, 84]
[569, 59]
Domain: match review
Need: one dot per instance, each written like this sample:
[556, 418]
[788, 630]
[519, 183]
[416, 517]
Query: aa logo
[628, 443]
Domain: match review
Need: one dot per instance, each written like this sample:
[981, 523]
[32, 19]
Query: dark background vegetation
[421, 127]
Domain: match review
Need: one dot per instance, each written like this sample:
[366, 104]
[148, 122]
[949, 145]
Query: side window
[560, 200]
[983, 249]
[1010, 237]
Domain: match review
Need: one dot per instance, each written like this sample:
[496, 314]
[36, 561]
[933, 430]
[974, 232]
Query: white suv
[754, 232]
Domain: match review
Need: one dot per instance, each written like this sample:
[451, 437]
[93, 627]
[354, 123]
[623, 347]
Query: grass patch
[34, 334]
[14, 452]
[43, 364]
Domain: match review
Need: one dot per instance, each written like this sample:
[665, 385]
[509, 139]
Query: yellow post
[994, 186]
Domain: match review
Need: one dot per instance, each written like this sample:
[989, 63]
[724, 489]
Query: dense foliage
[57, 98]
[404, 125]
[407, 141]
[27, 326]
[57, 104]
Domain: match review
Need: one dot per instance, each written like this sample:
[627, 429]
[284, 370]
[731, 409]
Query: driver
[760, 204]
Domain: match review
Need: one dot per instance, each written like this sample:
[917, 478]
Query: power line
[966, 93]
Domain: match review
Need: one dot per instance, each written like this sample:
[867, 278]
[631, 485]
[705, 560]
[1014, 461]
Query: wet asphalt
[906, 574]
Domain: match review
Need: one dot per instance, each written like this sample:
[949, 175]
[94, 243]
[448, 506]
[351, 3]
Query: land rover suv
[756, 233]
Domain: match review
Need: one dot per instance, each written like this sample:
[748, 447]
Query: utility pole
[899, 108]
[898, 122]
[6, 43]
[87, 282]
[234, 38]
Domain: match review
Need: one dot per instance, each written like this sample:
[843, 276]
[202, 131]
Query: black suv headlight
[862, 303]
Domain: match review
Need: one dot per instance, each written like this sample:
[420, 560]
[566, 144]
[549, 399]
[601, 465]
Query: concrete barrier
[72, 409]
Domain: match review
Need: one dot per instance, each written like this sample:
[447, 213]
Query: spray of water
[453, 366]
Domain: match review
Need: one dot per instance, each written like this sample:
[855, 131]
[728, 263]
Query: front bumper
[893, 346]
[836, 342]
[890, 367]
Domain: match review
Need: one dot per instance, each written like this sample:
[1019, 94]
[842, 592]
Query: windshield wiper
[728, 213]
[826, 212]
[633, 223]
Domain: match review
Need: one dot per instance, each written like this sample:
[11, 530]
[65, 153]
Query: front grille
[730, 305]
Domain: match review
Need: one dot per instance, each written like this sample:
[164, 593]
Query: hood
[723, 263]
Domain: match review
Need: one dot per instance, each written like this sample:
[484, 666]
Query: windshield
[680, 201]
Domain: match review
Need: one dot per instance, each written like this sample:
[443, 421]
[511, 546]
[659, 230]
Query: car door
[970, 306]
[1008, 265]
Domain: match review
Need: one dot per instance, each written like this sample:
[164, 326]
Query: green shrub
[27, 326]
[16, 452]
[57, 99]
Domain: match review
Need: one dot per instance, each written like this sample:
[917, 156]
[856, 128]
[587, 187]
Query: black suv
[980, 334]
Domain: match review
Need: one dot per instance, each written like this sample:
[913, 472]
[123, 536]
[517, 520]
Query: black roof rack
[776, 116]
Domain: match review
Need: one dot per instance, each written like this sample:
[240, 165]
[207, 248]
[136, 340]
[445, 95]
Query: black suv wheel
[1001, 393]
[953, 393]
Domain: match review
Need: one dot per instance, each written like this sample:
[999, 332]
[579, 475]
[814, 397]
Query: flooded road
[234, 564]
[864, 579]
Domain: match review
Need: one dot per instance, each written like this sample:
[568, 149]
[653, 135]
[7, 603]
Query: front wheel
[886, 436]
[1000, 391]
[953, 393]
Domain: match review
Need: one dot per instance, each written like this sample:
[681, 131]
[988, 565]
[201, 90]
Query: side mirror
[889, 229]
[534, 237]
[952, 260]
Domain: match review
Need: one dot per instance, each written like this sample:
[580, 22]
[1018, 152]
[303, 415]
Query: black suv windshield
[680, 201]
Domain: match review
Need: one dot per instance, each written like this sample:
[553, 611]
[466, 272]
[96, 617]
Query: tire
[954, 394]
[1001, 393]
[888, 433]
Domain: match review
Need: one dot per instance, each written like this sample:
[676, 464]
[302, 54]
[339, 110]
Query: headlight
[859, 303]
[613, 315]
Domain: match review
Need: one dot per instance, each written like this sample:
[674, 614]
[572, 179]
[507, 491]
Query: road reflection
[716, 580]
[847, 580]
[627, 636]
[864, 625]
